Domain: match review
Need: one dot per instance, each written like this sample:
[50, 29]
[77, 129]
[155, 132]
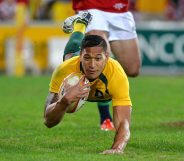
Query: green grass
[157, 102]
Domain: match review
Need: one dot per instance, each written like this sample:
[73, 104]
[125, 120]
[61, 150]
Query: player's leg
[124, 43]
[77, 26]
[105, 117]
[73, 45]
[128, 55]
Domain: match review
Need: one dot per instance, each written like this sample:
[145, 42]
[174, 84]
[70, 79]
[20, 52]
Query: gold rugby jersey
[112, 83]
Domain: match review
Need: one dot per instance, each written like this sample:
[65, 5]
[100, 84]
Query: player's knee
[133, 72]
[67, 56]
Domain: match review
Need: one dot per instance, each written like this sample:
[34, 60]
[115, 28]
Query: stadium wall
[161, 44]
[162, 47]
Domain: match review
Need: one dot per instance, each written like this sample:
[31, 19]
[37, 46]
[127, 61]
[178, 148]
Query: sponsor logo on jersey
[119, 6]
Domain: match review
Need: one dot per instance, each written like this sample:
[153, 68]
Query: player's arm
[55, 108]
[121, 118]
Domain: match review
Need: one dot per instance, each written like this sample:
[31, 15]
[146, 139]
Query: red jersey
[23, 1]
[117, 6]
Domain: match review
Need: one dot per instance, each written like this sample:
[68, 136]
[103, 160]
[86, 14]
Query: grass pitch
[157, 129]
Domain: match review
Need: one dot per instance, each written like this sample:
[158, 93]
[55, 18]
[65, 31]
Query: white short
[120, 26]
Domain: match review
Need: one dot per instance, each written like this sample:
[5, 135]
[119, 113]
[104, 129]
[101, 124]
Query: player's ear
[82, 51]
[107, 54]
[80, 55]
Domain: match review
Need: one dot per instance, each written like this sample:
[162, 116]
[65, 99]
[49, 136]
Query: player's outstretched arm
[56, 108]
[121, 118]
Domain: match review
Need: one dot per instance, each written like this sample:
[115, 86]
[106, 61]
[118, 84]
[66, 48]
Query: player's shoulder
[113, 70]
[67, 66]
[114, 66]
[72, 62]
[114, 74]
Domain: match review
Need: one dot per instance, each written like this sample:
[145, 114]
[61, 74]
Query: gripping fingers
[83, 95]
[86, 87]
[84, 92]
[82, 79]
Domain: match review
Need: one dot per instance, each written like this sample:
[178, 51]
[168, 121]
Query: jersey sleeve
[119, 89]
[56, 80]
[62, 71]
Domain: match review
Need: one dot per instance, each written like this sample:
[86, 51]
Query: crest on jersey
[99, 94]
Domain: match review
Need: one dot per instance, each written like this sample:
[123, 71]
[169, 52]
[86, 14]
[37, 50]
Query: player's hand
[80, 90]
[116, 150]
[112, 151]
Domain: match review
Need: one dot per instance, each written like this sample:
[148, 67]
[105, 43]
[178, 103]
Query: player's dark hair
[92, 41]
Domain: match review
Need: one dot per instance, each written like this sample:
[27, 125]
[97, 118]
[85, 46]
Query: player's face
[93, 60]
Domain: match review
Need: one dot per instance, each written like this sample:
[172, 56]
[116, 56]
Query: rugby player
[108, 81]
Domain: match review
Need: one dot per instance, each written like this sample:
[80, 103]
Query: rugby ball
[72, 80]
